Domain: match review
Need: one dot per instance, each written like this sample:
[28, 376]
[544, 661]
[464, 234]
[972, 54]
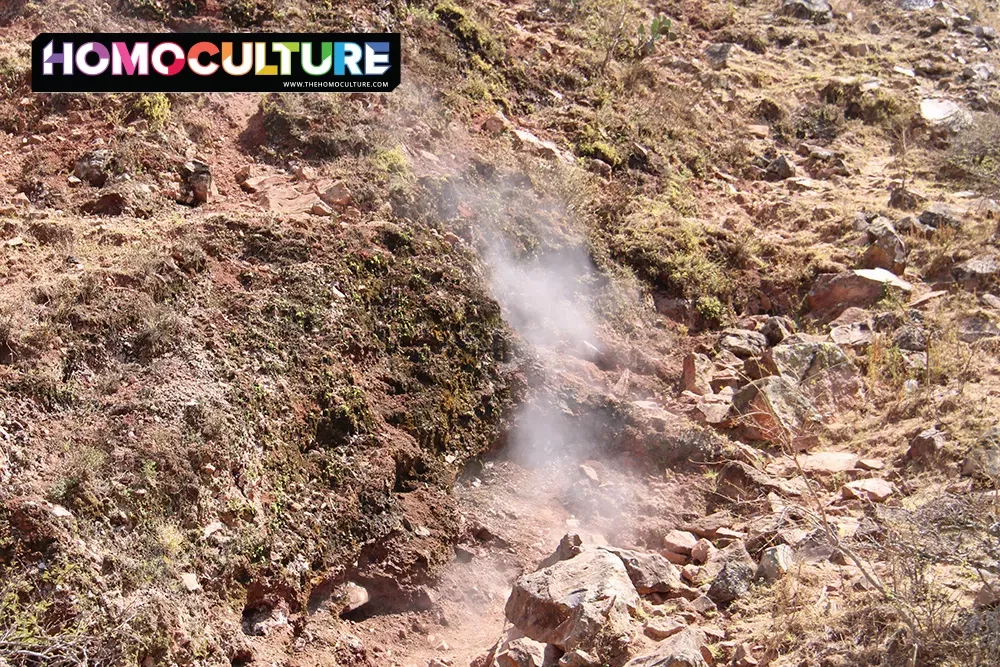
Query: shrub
[153, 107]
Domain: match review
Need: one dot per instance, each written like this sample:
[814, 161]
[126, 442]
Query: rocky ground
[587, 346]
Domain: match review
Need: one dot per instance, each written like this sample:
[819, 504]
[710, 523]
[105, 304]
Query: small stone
[779, 169]
[737, 573]
[702, 551]
[988, 595]
[590, 474]
[776, 329]
[696, 376]
[817, 11]
[873, 490]
[190, 582]
[743, 656]
[926, 444]
[662, 628]
[775, 562]
[679, 542]
[60, 512]
[495, 124]
[321, 209]
[91, 168]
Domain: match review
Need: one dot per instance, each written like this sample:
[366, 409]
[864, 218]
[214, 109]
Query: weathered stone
[926, 444]
[742, 342]
[817, 11]
[911, 338]
[775, 562]
[357, 596]
[860, 287]
[873, 490]
[887, 249]
[740, 481]
[977, 273]
[702, 551]
[709, 526]
[713, 409]
[735, 576]
[573, 602]
[681, 650]
[334, 193]
[520, 652]
[679, 542]
[977, 327]
[944, 115]
[856, 336]
[495, 124]
[198, 183]
[287, 200]
[779, 169]
[578, 658]
[190, 582]
[718, 54]
[697, 374]
[904, 200]
[256, 184]
[941, 215]
[773, 409]
[545, 149]
[569, 546]
[828, 463]
[776, 329]
[662, 628]
[92, 167]
[649, 572]
[821, 371]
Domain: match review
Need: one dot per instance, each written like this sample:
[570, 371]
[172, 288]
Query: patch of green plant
[153, 107]
[591, 144]
[473, 35]
[391, 161]
[647, 38]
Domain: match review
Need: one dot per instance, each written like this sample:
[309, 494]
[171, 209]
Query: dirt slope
[563, 279]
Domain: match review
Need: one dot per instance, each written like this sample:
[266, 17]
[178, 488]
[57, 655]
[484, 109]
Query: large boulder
[821, 371]
[833, 292]
[774, 410]
[684, 649]
[574, 603]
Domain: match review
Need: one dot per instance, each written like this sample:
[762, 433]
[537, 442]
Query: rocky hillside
[623, 333]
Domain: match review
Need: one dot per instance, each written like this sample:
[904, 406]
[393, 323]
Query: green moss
[599, 150]
[471, 33]
[594, 145]
[391, 160]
